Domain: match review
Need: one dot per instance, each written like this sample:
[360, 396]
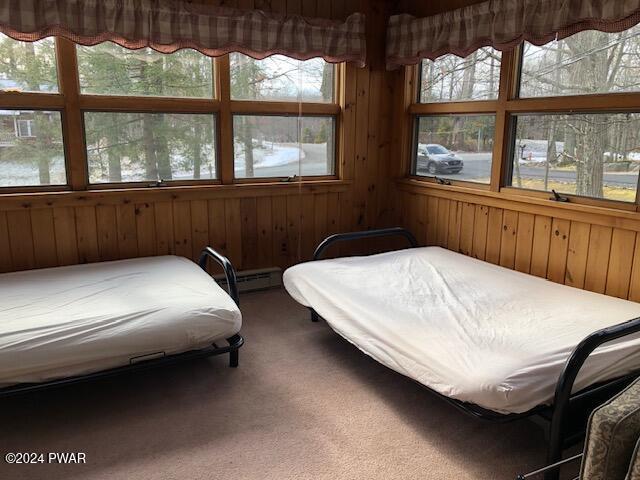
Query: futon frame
[235, 342]
[561, 435]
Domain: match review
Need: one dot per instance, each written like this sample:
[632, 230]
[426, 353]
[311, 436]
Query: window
[458, 147]
[24, 128]
[563, 125]
[136, 147]
[451, 78]
[31, 148]
[591, 155]
[278, 146]
[27, 67]
[147, 118]
[108, 69]
[298, 140]
[280, 78]
[588, 62]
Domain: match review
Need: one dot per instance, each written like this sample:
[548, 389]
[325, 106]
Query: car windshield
[437, 150]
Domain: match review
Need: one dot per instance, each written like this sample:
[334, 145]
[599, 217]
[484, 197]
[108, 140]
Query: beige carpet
[304, 404]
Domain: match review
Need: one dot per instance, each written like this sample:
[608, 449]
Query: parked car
[435, 158]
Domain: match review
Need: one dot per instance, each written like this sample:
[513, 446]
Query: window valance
[167, 26]
[502, 24]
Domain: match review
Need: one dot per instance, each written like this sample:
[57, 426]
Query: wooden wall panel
[577, 254]
[603, 259]
[6, 264]
[540, 246]
[44, 238]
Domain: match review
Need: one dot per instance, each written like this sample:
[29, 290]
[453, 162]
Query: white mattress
[66, 321]
[468, 329]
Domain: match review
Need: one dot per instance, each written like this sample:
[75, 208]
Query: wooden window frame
[505, 107]
[72, 104]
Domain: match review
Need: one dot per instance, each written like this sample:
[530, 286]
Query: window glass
[134, 147]
[585, 63]
[109, 69]
[593, 155]
[451, 78]
[31, 148]
[28, 66]
[458, 147]
[279, 78]
[283, 146]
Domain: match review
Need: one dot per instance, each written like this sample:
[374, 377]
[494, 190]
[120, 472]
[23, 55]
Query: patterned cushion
[634, 468]
[612, 433]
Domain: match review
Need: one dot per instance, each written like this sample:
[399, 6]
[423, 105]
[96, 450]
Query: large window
[108, 69]
[135, 147]
[451, 78]
[560, 125]
[283, 146]
[139, 117]
[280, 78]
[457, 147]
[278, 146]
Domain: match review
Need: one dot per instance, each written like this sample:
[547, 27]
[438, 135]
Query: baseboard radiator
[254, 280]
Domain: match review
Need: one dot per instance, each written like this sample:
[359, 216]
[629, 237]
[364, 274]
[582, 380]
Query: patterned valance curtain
[167, 26]
[502, 24]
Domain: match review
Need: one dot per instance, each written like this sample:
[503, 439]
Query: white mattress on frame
[67, 321]
[468, 329]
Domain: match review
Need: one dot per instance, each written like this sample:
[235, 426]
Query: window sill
[127, 195]
[620, 216]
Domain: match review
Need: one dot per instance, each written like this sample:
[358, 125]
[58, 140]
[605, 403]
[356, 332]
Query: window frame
[72, 105]
[506, 107]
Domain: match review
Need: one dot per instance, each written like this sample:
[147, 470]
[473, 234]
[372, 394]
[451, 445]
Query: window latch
[290, 178]
[442, 181]
[158, 183]
[558, 198]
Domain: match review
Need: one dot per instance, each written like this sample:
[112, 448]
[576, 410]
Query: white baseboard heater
[252, 280]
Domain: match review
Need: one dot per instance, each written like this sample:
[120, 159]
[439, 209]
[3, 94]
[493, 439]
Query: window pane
[280, 78]
[108, 69]
[451, 78]
[134, 147]
[31, 148]
[28, 67]
[594, 155]
[277, 146]
[455, 147]
[587, 62]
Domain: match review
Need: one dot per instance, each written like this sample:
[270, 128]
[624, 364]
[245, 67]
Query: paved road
[478, 166]
[314, 163]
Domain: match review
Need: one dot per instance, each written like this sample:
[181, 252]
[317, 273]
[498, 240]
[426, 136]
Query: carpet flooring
[304, 404]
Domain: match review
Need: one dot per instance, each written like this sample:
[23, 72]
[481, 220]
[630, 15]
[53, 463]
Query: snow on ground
[21, 173]
[270, 155]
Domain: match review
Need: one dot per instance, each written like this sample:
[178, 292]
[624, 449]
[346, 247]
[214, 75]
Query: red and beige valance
[502, 24]
[167, 26]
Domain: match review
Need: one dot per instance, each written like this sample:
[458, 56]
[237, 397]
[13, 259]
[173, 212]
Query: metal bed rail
[235, 342]
[563, 398]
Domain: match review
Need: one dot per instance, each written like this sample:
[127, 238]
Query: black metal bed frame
[235, 342]
[559, 412]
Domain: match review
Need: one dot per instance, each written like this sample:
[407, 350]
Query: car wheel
[432, 168]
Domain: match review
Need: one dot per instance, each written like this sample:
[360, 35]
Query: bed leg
[233, 358]
[556, 441]
[314, 316]
[235, 343]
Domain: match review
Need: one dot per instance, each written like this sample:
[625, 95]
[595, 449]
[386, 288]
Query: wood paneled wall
[255, 230]
[261, 226]
[601, 255]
